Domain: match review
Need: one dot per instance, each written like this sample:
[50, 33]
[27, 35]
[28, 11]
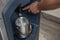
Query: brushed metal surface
[23, 26]
[0, 36]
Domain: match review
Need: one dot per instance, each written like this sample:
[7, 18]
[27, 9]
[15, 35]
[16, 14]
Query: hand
[33, 8]
[36, 7]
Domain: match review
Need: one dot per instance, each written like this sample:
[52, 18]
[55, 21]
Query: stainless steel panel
[3, 30]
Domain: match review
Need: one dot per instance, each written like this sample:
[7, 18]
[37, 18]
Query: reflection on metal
[23, 26]
[0, 35]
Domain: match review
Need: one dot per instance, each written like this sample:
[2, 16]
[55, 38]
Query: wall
[55, 12]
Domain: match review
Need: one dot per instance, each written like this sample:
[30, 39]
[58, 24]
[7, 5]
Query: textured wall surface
[55, 12]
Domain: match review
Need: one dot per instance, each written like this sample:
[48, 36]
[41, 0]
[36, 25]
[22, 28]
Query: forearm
[49, 4]
[58, 2]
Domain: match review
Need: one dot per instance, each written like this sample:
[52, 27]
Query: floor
[49, 30]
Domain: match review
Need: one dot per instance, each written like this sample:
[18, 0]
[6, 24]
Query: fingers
[36, 12]
[32, 8]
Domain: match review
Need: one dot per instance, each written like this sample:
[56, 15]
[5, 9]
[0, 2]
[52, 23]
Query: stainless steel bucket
[23, 26]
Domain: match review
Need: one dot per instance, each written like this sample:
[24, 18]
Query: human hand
[33, 8]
